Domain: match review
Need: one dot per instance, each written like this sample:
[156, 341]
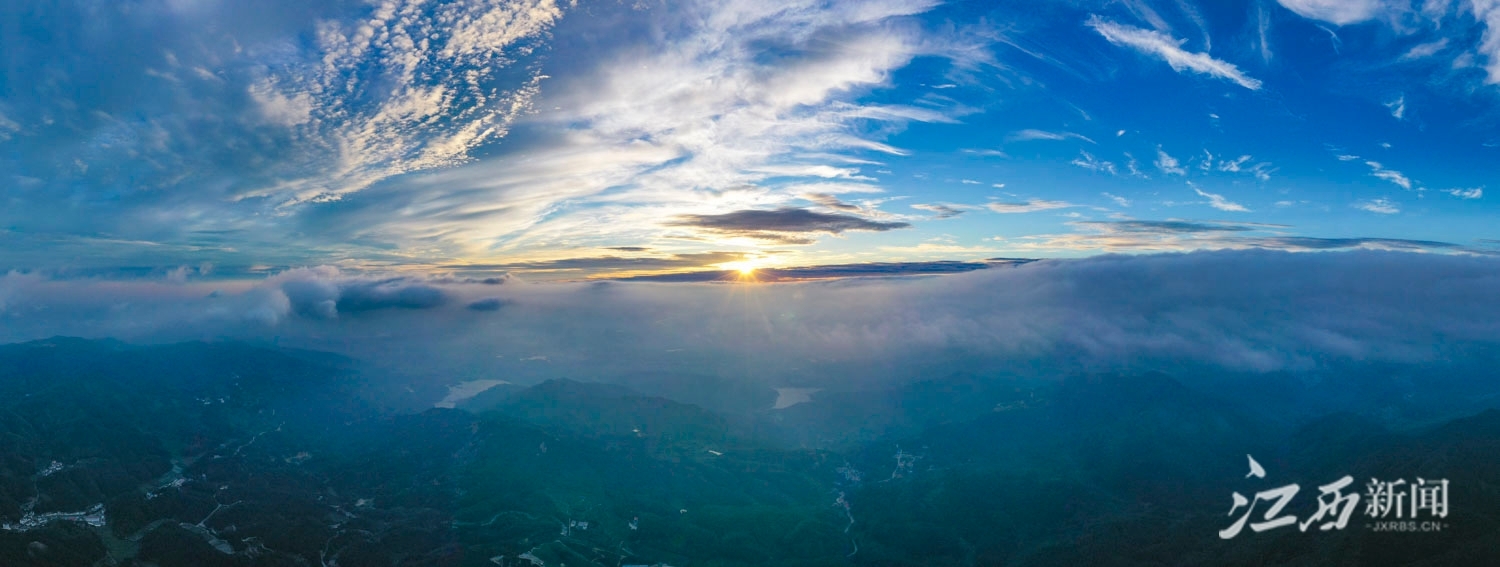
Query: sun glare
[744, 269]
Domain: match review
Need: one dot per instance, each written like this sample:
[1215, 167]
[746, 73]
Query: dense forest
[209, 454]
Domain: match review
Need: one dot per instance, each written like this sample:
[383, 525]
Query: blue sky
[203, 139]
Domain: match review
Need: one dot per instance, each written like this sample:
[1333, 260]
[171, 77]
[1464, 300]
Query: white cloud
[1262, 171]
[1333, 39]
[1233, 166]
[1425, 50]
[277, 108]
[1488, 11]
[1028, 206]
[1168, 164]
[1382, 206]
[1474, 193]
[1193, 14]
[692, 120]
[178, 274]
[1337, 12]
[1437, 9]
[1029, 135]
[1463, 61]
[1088, 161]
[1397, 107]
[7, 127]
[1143, 10]
[1393, 176]
[1263, 28]
[1219, 202]
[986, 152]
[1170, 50]
[1121, 201]
[1133, 167]
[943, 210]
[408, 89]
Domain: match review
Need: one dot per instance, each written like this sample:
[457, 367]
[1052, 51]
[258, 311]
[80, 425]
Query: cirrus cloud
[1169, 49]
[1337, 12]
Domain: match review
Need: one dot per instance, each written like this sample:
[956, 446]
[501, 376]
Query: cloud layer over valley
[1240, 311]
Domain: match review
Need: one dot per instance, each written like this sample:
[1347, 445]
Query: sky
[543, 140]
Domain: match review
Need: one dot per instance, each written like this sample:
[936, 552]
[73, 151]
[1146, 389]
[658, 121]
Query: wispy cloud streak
[1169, 49]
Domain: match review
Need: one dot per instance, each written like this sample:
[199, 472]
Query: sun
[744, 269]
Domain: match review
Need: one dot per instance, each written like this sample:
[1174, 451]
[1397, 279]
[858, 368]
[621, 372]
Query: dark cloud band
[786, 225]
